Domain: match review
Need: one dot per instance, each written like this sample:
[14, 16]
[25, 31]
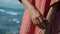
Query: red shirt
[27, 26]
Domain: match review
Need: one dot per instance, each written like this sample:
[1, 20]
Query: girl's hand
[36, 17]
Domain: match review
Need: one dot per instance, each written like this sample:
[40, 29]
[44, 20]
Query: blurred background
[11, 12]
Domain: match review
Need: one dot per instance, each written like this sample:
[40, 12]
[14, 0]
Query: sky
[11, 4]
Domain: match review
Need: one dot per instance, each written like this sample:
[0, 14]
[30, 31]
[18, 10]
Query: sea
[10, 20]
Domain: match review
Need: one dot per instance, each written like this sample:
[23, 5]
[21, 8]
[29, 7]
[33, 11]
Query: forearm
[52, 12]
[27, 4]
[33, 12]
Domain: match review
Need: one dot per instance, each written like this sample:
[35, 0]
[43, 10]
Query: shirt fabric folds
[27, 26]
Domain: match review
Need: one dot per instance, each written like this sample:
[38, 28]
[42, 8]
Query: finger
[41, 20]
[38, 22]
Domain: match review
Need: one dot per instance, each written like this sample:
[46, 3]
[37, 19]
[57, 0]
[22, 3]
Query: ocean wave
[2, 10]
[16, 20]
[12, 13]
